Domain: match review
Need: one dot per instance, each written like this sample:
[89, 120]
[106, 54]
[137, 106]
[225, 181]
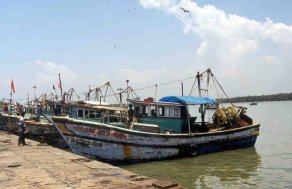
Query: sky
[246, 44]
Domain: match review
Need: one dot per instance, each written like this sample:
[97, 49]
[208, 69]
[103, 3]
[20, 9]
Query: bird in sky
[130, 10]
[185, 10]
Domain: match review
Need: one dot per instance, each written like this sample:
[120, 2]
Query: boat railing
[153, 122]
[87, 118]
[106, 118]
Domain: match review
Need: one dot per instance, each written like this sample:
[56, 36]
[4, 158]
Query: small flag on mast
[54, 87]
[12, 86]
[34, 87]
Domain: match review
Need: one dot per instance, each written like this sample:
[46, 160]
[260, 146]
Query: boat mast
[127, 92]
[199, 83]
[10, 101]
[120, 93]
[182, 88]
[60, 86]
[200, 94]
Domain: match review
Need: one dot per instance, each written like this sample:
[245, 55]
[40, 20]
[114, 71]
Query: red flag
[12, 86]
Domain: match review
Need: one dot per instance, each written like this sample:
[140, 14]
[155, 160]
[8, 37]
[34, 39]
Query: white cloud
[47, 76]
[156, 4]
[236, 47]
[140, 77]
[272, 60]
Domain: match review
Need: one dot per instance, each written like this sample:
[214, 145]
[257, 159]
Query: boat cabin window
[80, 113]
[175, 112]
[161, 111]
[167, 112]
[92, 114]
[86, 113]
[74, 113]
[144, 111]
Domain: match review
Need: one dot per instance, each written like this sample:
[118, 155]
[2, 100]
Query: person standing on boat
[5, 108]
[153, 113]
[18, 109]
[130, 114]
[136, 110]
[57, 111]
[21, 131]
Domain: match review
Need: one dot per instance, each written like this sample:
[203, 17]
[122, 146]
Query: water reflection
[243, 168]
[231, 168]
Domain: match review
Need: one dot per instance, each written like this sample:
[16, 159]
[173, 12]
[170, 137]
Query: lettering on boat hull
[114, 144]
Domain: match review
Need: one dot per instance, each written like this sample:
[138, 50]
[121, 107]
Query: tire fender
[193, 149]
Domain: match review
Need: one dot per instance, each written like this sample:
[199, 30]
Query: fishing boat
[154, 130]
[9, 122]
[36, 125]
[253, 103]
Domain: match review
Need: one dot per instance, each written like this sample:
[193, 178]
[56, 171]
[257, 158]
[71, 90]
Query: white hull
[117, 144]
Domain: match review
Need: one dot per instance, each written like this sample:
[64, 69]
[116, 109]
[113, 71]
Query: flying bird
[130, 10]
[185, 10]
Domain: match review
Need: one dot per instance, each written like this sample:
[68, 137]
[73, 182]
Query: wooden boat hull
[9, 122]
[38, 129]
[113, 143]
[35, 129]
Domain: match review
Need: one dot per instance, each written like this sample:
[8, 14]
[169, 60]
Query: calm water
[267, 165]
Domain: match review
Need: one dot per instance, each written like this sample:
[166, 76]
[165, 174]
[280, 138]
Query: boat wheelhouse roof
[154, 103]
[188, 100]
[52, 102]
[94, 102]
[114, 108]
[94, 107]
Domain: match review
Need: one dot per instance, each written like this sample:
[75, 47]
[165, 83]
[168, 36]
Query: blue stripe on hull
[227, 145]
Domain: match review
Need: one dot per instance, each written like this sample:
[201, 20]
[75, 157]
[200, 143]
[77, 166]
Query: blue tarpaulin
[191, 100]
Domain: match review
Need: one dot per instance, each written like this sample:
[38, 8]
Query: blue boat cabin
[170, 114]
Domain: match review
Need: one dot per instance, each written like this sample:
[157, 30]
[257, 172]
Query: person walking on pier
[21, 131]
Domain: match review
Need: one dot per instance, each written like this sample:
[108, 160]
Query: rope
[193, 86]
[216, 91]
[155, 91]
[167, 83]
[223, 90]
[156, 85]
[105, 93]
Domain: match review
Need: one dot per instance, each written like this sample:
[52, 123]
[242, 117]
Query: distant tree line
[273, 97]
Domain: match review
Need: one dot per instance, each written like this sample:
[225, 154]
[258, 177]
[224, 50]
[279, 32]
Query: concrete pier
[39, 166]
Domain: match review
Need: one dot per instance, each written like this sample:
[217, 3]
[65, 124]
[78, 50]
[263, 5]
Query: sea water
[267, 165]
